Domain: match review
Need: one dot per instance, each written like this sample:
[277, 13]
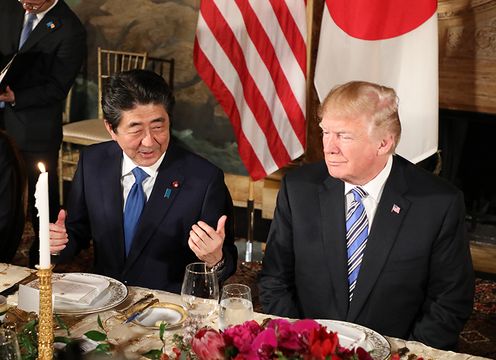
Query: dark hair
[127, 89]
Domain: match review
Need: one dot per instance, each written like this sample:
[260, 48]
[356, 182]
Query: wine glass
[200, 290]
[9, 347]
[235, 305]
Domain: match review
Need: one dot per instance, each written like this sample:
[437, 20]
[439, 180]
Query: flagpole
[250, 210]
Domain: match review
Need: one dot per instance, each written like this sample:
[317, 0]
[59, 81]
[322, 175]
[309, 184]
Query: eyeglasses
[30, 6]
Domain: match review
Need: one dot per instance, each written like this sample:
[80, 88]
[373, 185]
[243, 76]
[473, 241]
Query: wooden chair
[92, 131]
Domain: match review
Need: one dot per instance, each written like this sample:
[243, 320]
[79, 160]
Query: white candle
[41, 203]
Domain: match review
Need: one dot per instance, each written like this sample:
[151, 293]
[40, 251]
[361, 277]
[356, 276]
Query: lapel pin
[50, 25]
[167, 193]
[175, 184]
[396, 209]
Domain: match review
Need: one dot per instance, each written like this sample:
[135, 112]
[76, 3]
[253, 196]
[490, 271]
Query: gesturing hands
[58, 234]
[7, 95]
[206, 242]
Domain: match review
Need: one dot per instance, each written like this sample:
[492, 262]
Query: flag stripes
[244, 55]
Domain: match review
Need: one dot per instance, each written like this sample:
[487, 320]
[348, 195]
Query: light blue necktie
[135, 203]
[357, 232]
[26, 30]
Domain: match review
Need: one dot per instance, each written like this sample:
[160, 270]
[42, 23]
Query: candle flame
[41, 166]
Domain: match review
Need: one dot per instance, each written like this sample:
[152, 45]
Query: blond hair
[379, 105]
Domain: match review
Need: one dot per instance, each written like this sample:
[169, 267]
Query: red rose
[323, 343]
[208, 344]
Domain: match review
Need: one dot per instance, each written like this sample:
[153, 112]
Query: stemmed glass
[235, 305]
[200, 290]
[9, 347]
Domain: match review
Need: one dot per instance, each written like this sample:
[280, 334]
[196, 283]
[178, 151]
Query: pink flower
[208, 344]
[263, 345]
[242, 336]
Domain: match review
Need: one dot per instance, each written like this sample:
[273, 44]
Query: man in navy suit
[50, 43]
[184, 218]
[366, 236]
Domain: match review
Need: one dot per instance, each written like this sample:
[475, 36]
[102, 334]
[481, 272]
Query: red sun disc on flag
[380, 19]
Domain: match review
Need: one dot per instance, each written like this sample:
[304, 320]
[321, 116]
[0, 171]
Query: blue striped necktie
[135, 203]
[27, 28]
[357, 232]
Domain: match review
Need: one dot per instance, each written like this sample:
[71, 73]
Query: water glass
[235, 305]
[9, 347]
[200, 290]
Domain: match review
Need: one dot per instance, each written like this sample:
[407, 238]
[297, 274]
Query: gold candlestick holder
[45, 323]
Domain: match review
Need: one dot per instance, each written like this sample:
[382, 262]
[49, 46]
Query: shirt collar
[40, 15]
[375, 186]
[128, 165]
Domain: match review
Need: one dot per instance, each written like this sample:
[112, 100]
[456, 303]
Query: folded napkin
[78, 288]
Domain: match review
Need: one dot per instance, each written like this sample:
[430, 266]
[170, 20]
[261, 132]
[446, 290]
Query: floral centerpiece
[275, 339]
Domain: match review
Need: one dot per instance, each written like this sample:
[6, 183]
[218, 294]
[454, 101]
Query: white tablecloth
[135, 339]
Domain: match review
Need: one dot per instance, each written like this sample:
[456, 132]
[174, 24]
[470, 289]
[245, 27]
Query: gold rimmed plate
[172, 314]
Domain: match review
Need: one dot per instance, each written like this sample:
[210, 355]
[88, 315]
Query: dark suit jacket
[160, 251]
[41, 74]
[416, 280]
[12, 187]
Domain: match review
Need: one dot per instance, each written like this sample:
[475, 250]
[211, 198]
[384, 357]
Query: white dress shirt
[40, 15]
[374, 189]
[127, 177]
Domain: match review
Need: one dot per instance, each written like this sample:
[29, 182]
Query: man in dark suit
[186, 199]
[12, 187]
[367, 237]
[49, 41]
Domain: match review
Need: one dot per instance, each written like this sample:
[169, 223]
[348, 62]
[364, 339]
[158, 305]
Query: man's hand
[7, 95]
[58, 234]
[206, 242]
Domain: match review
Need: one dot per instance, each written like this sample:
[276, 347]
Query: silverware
[135, 314]
[139, 301]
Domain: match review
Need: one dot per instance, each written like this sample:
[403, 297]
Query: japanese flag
[392, 43]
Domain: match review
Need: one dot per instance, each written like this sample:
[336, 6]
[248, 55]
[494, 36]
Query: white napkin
[78, 288]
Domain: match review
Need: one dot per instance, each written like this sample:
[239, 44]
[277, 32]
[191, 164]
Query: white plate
[353, 335]
[109, 298]
[172, 314]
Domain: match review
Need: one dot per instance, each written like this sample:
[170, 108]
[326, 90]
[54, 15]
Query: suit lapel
[385, 228]
[331, 198]
[159, 203]
[110, 172]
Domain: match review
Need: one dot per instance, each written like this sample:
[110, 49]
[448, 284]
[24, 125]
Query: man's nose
[329, 144]
[147, 139]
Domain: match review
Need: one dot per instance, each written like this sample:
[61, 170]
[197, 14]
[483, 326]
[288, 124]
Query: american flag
[252, 56]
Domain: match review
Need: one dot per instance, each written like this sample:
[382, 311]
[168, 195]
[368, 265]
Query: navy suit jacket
[42, 72]
[416, 280]
[160, 251]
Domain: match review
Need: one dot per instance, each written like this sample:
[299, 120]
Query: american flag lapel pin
[396, 209]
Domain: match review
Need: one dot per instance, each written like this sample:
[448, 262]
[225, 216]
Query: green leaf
[163, 326]
[100, 325]
[102, 348]
[95, 335]
[62, 324]
[62, 339]
[153, 354]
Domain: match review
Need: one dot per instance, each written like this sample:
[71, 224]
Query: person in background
[367, 237]
[12, 198]
[49, 43]
[179, 201]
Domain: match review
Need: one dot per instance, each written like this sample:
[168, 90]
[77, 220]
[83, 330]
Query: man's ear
[109, 129]
[386, 145]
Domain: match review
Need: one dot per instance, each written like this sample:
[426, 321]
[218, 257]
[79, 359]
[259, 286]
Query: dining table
[133, 340]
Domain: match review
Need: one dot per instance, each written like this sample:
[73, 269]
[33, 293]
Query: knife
[135, 314]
